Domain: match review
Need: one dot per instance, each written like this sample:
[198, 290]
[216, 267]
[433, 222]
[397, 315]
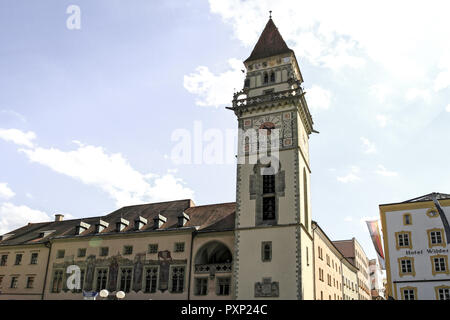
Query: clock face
[269, 123]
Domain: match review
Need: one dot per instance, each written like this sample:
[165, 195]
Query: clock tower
[273, 244]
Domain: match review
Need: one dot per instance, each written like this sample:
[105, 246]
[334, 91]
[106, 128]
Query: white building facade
[416, 248]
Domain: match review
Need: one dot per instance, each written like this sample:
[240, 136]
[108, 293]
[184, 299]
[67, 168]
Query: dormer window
[139, 223]
[121, 224]
[81, 227]
[158, 221]
[100, 226]
[183, 219]
[44, 234]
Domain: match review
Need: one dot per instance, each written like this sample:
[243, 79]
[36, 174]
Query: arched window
[305, 196]
[272, 76]
[266, 77]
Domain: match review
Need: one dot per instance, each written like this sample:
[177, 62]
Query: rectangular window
[81, 252]
[266, 251]
[18, 259]
[406, 266]
[440, 264]
[179, 247]
[4, 260]
[82, 274]
[404, 239]
[201, 286]
[407, 219]
[60, 254]
[101, 278]
[14, 281]
[30, 282]
[268, 208]
[34, 258]
[125, 279]
[1, 280]
[127, 250]
[268, 184]
[104, 251]
[57, 281]
[177, 280]
[408, 294]
[151, 279]
[153, 248]
[223, 286]
[444, 293]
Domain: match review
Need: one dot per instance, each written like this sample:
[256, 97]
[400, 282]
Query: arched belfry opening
[213, 252]
[213, 257]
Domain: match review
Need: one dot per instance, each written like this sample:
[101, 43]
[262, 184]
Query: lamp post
[120, 295]
[104, 293]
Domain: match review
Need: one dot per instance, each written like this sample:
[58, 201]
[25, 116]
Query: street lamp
[120, 295]
[104, 293]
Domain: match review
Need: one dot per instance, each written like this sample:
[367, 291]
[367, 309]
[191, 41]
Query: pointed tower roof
[270, 43]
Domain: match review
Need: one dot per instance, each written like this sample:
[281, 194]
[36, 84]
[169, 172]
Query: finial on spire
[270, 14]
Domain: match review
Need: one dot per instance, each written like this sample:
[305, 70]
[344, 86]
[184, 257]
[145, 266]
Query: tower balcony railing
[213, 268]
[271, 96]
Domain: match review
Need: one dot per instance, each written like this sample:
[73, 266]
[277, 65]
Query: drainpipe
[314, 262]
[193, 234]
[49, 246]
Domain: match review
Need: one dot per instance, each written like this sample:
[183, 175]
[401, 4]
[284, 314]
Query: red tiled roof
[270, 43]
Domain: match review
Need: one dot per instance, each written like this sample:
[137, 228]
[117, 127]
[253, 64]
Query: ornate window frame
[429, 211]
[443, 242]
[402, 291]
[171, 278]
[119, 277]
[144, 279]
[413, 270]
[94, 286]
[410, 219]
[397, 244]
[436, 289]
[433, 269]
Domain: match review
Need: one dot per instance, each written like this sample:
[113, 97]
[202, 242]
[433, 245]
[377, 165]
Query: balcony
[213, 268]
[272, 96]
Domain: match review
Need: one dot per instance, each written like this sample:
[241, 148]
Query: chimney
[183, 218]
[139, 223]
[121, 224]
[158, 221]
[59, 217]
[101, 225]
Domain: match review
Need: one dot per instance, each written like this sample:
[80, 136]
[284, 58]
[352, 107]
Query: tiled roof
[215, 217]
[270, 43]
[428, 197]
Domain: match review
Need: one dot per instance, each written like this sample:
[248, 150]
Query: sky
[96, 98]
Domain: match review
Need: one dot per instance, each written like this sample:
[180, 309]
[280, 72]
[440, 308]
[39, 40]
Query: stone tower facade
[273, 238]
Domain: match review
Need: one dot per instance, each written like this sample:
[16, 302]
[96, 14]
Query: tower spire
[270, 14]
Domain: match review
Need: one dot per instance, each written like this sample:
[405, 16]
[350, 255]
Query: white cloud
[369, 146]
[317, 34]
[414, 94]
[348, 219]
[351, 177]
[5, 191]
[111, 172]
[442, 80]
[13, 216]
[318, 98]
[215, 90]
[382, 120]
[380, 91]
[447, 108]
[18, 137]
[382, 171]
